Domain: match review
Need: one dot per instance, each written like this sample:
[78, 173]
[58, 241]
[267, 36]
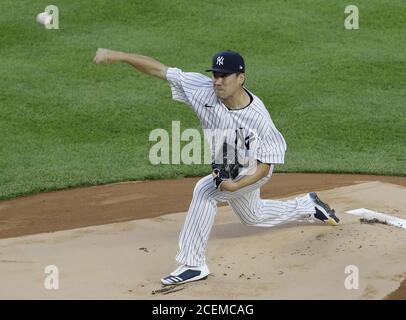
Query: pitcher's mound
[297, 261]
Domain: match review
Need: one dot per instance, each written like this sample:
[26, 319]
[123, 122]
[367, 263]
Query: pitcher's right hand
[103, 56]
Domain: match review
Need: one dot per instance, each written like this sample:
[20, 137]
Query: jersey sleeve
[185, 84]
[271, 147]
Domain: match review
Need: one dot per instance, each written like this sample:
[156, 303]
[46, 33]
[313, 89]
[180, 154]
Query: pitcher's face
[225, 84]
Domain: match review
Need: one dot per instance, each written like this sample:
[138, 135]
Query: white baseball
[44, 18]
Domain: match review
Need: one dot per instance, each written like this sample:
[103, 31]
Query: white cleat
[185, 273]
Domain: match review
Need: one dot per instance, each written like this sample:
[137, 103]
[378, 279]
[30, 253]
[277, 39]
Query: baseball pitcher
[222, 102]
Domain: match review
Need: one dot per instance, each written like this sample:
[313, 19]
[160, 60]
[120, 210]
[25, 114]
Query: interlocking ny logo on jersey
[220, 61]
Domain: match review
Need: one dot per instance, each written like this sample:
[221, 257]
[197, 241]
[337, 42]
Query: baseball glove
[228, 169]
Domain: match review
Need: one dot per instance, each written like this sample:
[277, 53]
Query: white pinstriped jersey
[196, 90]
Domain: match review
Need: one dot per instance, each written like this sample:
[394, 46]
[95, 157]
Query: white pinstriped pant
[247, 205]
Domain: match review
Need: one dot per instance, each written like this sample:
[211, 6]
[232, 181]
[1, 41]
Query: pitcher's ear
[242, 78]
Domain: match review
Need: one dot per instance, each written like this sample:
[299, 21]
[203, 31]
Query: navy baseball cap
[227, 62]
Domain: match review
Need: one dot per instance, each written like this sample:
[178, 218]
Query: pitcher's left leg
[252, 210]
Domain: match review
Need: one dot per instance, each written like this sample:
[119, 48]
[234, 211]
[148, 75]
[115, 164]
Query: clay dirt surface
[134, 207]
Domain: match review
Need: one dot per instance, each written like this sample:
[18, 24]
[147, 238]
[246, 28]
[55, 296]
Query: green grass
[338, 96]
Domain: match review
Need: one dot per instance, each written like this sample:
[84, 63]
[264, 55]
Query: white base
[369, 214]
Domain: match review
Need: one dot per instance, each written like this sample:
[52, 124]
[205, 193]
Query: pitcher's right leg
[198, 224]
[195, 234]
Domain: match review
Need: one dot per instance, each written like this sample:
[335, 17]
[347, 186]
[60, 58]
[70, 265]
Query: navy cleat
[185, 273]
[323, 211]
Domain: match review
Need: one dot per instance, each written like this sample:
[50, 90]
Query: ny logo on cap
[220, 61]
